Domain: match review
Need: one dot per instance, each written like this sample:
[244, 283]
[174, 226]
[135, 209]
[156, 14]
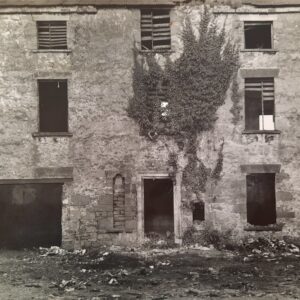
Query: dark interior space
[53, 105]
[198, 211]
[258, 35]
[30, 215]
[158, 197]
[261, 203]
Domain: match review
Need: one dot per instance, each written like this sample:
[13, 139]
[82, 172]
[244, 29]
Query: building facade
[74, 168]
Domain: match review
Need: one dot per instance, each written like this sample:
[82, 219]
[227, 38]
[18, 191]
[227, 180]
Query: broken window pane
[261, 204]
[53, 106]
[259, 104]
[258, 35]
[52, 34]
[155, 29]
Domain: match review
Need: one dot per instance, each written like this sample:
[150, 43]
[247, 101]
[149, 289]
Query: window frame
[152, 9]
[271, 36]
[247, 130]
[51, 48]
[53, 133]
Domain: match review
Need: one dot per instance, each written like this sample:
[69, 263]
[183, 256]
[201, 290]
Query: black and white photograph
[149, 149]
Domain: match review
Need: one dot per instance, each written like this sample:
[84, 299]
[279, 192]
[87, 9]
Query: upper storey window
[258, 35]
[259, 104]
[155, 29]
[52, 34]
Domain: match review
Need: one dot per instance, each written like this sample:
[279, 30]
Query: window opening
[155, 29]
[198, 211]
[53, 105]
[259, 104]
[52, 34]
[159, 94]
[258, 35]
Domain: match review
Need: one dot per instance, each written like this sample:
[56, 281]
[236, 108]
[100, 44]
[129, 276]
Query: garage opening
[30, 215]
[158, 206]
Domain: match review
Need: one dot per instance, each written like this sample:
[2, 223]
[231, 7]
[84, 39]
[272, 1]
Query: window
[261, 204]
[52, 34]
[198, 211]
[53, 105]
[258, 35]
[159, 93]
[259, 104]
[155, 29]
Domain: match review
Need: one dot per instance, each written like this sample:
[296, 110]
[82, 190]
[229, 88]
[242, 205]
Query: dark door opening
[30, 215]
[158, 206]
[261, 203]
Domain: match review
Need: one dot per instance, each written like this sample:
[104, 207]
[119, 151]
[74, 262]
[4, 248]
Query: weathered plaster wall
[106, 142]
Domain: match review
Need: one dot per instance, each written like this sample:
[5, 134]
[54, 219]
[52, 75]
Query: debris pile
[269, 248]
[55, 250]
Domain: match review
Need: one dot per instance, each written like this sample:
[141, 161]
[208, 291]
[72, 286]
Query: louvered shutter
[52, 34]
[155, 29]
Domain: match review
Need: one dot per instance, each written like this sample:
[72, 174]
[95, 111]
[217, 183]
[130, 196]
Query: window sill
[272, 227]
[157, 51]
[269, 51]
[261, 132]
[51, 51]
[52, 134]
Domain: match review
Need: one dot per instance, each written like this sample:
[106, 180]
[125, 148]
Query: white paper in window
[266, 122]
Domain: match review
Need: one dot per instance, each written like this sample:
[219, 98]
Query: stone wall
[105, 142]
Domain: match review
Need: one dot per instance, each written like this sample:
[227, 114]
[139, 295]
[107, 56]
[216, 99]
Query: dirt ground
[147, 274]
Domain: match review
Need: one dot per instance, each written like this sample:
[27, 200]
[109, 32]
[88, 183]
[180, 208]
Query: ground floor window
[261, 203]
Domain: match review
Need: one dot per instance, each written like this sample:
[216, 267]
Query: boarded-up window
[52, 34]
[155, 29]
[258, 35]
[119, 202]
[261, 204]
[259, 104]
[53, 105]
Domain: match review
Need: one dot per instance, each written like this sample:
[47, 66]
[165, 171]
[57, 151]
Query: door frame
[176, 204]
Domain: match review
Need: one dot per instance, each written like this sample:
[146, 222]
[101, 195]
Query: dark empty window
[258, 35]
[52, 34]
[53, 105]
[198, 211]
[259, 104]
[155, 29]
[261, 204]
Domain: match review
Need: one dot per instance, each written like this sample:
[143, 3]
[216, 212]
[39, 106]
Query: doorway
[30, 215]
[158, 206]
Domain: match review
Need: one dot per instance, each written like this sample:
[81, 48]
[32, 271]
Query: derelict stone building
[74, 168]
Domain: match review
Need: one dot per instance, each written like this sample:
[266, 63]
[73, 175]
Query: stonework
[105, 155]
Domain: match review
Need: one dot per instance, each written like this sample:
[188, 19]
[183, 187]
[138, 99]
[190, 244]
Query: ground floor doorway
[30, 215]
[158, 206]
